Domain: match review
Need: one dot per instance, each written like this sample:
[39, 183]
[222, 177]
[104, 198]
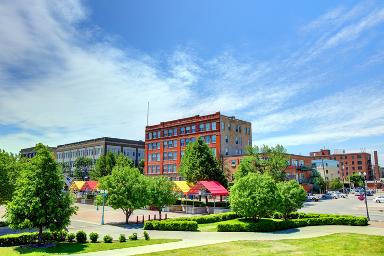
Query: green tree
[335, 184]
[141, 166]
[291, 197]
[198, 163]
[9, 170]
[123, 161]
[161, 192]
[254, 195]
[39, 200]
[357, 180]
[127, 189]
[104, 165]
[318, 182]
[271, 160]
[83, 166]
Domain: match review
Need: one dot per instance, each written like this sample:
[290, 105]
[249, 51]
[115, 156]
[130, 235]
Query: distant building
[165, 142]
[349, 163]
[31, 152]
[328, 169]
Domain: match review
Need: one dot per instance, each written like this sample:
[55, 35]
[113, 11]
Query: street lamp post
[104, 194]
[365, 192]
[325, 179]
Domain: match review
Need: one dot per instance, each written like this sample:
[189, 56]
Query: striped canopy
[182, 186]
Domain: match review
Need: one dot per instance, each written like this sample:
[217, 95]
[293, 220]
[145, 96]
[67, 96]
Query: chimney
[376, 159]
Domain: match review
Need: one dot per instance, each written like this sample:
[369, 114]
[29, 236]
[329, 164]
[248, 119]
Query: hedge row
[190, 202]
[31, 238]
[301, 215]
[171, 225]
[211, 218]
[269, 225]
[3, 224]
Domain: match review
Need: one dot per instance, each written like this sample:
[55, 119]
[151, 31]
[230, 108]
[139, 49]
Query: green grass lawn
[72, 248]
[212, 227]
[337, 244]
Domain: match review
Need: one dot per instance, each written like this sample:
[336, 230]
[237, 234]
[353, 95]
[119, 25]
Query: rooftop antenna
[147, 112]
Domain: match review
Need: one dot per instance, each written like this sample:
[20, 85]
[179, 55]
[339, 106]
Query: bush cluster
[269, 225]
[218, 204]
[146, 235]
[71, 237]
[81, 237]
[3, 224]
[171, 225]
[133, 236]
[93, 237]
[211, 218]
[190, 202]
[107, 239]
[31, 238]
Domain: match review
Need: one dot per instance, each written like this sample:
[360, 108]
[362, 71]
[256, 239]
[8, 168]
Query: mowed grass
[331, 245]
[74, 248]
[212, 227]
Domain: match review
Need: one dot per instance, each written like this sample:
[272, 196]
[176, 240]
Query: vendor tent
[90, 185]
[182, 186]
[213, 188]
[77, 185]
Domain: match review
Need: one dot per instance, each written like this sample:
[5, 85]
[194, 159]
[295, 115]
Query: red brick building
[350, 163]
[165, 142]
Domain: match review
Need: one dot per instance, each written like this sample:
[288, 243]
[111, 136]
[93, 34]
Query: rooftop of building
[32, 149]
[105, 139]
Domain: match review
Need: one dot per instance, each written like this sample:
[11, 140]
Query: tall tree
[10, 167]
[335, 184]
[161, 192]
[198, 163]
[254, 195]
[123, 161]
[127, 189]
[141, 166]
[39, 200]
[357, 180]
[291, 197]
[271, 160]
[83, 167]
[104, 165]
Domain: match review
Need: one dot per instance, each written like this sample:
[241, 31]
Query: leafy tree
[39, 200]
[10, 167]
[161, 192]
[254, 195]
[357, 180]
[318, 182]
[141, 166]
[104, 165]
[123, 161]
[291, 197]
[83, 166]
[335, 184]
[66, 169]
[127, 189]
[198, 163]
[271, 160]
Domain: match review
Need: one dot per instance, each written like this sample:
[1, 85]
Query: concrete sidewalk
[192, 239]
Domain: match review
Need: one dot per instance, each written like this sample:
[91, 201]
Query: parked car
[379, 199]
[311, 197]
[329, 196]
[342, 195]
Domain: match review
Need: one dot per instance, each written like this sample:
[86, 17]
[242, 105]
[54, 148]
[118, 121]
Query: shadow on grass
[66, 248]
[287, 231]
[126, 226]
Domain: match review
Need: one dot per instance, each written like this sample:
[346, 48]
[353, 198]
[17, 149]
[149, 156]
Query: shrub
[171, 225]
[190, 202]
[3, 224]
[291, 197]
[107, 239]
[133, 236]
[81, 237]
[122, 238]
[146, 235]
[71, 237]
[93, 236]
[208, 218]
[218, 204]
[31, 238]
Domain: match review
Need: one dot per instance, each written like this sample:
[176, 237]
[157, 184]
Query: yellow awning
[77, 185]
[182, 186]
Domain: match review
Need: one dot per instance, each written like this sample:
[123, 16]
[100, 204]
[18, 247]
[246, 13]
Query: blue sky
[307, 74]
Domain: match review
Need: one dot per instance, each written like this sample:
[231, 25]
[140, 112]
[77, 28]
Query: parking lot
[350, 205]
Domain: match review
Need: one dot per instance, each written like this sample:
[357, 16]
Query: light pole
[325, 179]
[104, 194]
[365, 191]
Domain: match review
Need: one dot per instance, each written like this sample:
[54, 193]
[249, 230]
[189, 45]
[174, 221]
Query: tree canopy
[335, 184]
[357, 180]
[83, 166]
[265, 159]
[10, 167]
[105, 164]
[127, 189]
[291, 197]
[39, 200]
[161, 192]
[254, 195]
[198, 163]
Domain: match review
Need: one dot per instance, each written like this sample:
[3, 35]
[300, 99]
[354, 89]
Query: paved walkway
[191, 239]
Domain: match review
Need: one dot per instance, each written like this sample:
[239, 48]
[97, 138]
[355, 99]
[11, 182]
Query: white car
[379, 199]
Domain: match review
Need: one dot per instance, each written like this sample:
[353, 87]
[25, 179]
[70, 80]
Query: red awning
[90, 185]
[212, 187]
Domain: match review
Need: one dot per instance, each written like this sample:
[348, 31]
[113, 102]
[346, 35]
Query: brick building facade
[165, 142]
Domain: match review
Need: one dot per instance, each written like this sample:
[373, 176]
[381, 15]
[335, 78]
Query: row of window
[79, 153]
[153, 169]
[169, 155]
[169, 168]
[182, 130]
[183, 142]
[155, 157]
[237, 128]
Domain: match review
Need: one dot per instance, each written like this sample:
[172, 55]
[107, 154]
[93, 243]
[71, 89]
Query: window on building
[359, 156]
[359, 167]
[236, 128]
[208, 126]
[239, 129]
[213, 138]
[158, 145]
[175, 131]
[150, 135]
[208, 139]
[182, 141]
[201, 127]
[193, 139]
[226, 151]
[213, 150]
[213, 126]
[233, 163]
[193, 128]
[182, 130]
[360, 162]
[236, 140]
[229, 127]
[222, 126]
[353, 162]
[188, 129]
[226, 139]
[187, 140]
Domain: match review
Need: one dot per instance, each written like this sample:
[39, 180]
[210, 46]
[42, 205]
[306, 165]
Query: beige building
[328, 169]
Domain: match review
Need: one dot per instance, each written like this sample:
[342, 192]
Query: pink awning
[90, 185]
[212, 187]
